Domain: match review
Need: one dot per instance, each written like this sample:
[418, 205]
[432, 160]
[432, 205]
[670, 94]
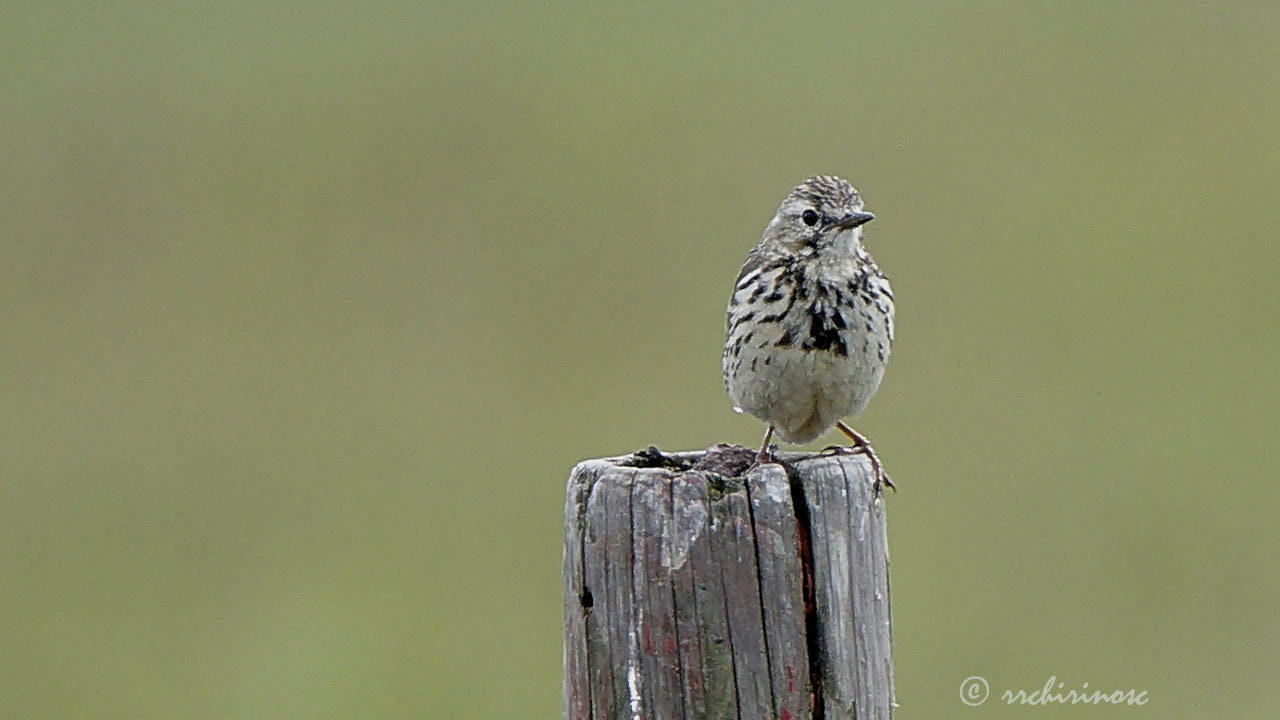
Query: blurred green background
[309, 309]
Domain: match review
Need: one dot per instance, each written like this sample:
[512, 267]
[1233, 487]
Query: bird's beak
[854, 219]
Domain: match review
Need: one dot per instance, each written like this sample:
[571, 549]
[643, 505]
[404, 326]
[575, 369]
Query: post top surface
[723, 459]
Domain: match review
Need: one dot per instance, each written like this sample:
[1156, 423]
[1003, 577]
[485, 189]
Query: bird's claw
[843, 450]
[880, 478]
[766, 455]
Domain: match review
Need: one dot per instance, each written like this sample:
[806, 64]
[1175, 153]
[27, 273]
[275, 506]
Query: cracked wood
[693, 591]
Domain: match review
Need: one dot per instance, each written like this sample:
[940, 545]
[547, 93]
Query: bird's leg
[764, 455]
[861, 446]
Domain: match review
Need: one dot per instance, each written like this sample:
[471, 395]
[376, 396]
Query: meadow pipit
[810, 320]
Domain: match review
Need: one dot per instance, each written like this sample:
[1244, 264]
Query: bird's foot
[880, 478]
[766, 455]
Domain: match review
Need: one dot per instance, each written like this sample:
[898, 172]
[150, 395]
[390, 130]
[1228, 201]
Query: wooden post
[695, 592]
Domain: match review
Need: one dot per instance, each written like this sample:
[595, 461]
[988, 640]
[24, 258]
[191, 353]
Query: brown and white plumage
[810, 320]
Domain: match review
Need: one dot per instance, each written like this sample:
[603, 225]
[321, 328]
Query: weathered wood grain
[696, 591]
[781, 580]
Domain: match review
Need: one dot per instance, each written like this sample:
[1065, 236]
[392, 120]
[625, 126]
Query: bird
[809, 326]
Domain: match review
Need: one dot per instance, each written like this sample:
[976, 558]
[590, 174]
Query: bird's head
[822, 213]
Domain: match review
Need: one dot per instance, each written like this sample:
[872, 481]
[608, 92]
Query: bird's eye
[809, 217]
